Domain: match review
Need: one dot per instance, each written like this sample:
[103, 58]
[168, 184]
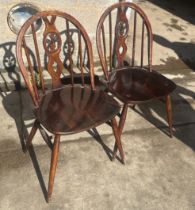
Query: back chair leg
[118, 141]
[169, 115]
[53, 165]
[32, 134]
[123, 118]
[121, 124]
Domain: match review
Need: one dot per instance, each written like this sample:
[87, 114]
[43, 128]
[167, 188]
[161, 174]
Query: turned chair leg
[53, 165]
[32, 134]
[118, 141]
[169, 115]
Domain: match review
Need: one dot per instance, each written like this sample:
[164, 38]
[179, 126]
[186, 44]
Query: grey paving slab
[159, 174]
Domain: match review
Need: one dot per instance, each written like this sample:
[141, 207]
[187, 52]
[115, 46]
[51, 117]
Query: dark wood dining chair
[124, 43]
[60, 109]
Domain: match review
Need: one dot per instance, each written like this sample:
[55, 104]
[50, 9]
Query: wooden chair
[58, 108]
[124, 42]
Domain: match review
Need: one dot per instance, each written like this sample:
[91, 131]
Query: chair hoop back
[113, 50]
[56, 51]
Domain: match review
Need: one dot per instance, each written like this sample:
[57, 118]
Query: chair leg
[123, 118]
[121, 124]
[118, 141]
[32, 134]
[169, 115]
[132, 106]
[53, 165]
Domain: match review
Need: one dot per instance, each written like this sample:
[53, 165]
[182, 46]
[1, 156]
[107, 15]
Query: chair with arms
[124, 42]
[59, 108]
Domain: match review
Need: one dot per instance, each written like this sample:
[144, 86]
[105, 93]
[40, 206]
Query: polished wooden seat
[73, 109]
[124, 42]
[134, 85]
[71, 102]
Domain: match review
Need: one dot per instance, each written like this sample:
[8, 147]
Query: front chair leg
[118, 141]
[53, 165]
[32, 134]
[169, 115]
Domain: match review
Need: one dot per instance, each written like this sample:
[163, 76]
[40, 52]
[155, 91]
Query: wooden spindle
[150, 42]
[110, 33]
[38, 58]
[142, 44]
[150, 47]
[69, 52]
[33, 82]
[104, 43]
[134, 38]
[81, 58]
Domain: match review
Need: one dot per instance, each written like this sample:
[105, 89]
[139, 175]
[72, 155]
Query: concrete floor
[159, 172]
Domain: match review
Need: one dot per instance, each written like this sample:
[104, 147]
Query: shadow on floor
[11, 80]
[185, 51]
[38, 171]
[180, 8]
[183, 115]
[12, 103]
